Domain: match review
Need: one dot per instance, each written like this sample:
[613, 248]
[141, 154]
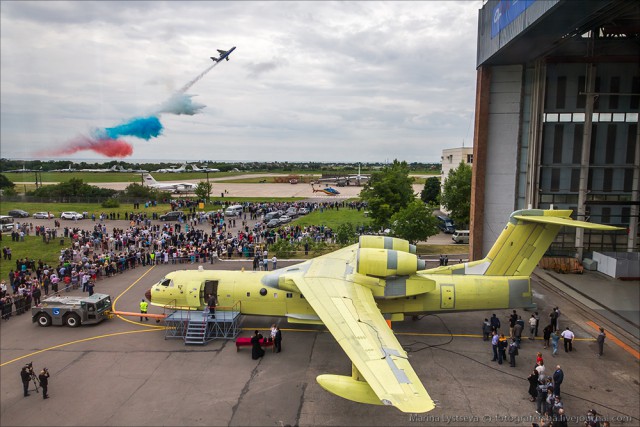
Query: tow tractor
[72, 311]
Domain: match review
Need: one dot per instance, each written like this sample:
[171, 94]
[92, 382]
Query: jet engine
[385, 263]
[384, 242]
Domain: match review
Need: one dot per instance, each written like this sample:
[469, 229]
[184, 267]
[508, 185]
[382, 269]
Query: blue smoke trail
[143, 128]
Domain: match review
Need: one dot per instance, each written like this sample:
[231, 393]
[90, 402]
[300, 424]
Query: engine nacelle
[384, 242]
[385, 263]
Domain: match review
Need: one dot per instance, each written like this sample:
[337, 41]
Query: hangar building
[556, 119]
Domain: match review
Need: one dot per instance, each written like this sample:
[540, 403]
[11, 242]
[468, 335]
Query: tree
[345, 234]
[456, 194]
[203, 190]
[5, 182]
[388, 191]
[431, 191]
[415, 222]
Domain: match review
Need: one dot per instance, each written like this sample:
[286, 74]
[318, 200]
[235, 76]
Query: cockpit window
[166, 282]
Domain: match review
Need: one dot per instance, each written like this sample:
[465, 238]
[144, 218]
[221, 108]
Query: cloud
[394, 79]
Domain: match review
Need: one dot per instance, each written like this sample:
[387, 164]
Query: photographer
[44, 382]
[25, 375]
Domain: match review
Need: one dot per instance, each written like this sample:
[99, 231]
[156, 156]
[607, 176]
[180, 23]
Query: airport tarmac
[124, 373]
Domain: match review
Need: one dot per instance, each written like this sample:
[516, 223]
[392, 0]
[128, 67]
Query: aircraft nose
[147, 295]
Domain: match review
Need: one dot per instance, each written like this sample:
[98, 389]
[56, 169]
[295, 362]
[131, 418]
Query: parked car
[461, 236]
[172, 216]
[303, 211]
[71, 215]
[446, 224]
[271, 215]
[292, 212]
[273, 223]
[284, 219]
[18, 213]
[43, 215]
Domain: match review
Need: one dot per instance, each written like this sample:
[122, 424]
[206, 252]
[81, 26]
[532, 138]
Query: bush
[110, 203]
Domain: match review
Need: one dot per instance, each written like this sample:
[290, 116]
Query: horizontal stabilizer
[566, 222]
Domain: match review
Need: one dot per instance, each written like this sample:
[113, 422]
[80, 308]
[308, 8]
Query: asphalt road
[124, 373]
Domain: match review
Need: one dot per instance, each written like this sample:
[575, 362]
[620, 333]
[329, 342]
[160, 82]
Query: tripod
[36, 381]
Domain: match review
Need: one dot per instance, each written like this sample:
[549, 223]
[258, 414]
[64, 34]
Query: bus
[6, 223]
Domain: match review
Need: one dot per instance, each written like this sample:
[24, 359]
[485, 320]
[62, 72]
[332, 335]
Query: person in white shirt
[567, 336]
[532, 326]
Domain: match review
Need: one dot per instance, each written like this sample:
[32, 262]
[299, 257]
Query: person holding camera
[25, 375]
[44, 382]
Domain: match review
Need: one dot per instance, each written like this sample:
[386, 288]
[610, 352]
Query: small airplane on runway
[224, 54]
[355, 290]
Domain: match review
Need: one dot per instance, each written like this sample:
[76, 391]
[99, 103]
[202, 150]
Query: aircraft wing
[221, 52]
[381, 371]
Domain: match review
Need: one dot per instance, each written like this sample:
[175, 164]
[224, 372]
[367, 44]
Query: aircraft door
[210, 287]
[447, 296]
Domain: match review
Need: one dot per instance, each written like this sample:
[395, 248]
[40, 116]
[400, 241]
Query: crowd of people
[544, 386]
[102, 251]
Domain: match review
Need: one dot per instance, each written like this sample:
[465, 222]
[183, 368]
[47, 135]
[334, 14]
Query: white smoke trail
[194, 81]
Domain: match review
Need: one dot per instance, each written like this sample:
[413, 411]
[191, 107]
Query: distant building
[556, 120]
[451, 158]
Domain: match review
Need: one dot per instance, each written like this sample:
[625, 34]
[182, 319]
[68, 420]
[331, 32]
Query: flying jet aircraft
[174, 187]
[353, 290]
[224, 54]
[182, 168]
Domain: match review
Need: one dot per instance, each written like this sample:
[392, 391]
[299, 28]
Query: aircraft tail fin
[148, 179]
[524, 240]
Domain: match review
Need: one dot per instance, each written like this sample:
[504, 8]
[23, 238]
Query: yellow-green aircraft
[354, 290]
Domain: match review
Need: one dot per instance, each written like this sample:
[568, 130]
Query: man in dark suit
[277, 340]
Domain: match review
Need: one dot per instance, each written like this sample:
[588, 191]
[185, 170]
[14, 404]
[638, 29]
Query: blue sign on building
[505, 12]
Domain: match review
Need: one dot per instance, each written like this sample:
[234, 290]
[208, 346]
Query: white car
[284, 219]
[43, 215]
[71, 215]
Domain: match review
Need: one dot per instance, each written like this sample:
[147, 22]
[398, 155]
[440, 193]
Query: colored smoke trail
[106, 147]
[143, 128]
[105, 141]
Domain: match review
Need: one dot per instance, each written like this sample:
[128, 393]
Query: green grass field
[32, 247]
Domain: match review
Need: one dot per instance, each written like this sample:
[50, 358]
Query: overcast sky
[309, 81]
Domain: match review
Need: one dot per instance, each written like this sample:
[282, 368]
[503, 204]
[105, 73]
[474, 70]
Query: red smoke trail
[106, 147]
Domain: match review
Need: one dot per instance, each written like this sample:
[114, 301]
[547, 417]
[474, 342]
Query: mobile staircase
[198, 327]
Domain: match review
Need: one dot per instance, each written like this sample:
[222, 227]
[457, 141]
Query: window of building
[610, 148]
[557, 143]
[607, 181]
[631, 144]
[634, 102]
[627, 185]
[606, 215]
[469, 158]
[577, 144]
[614, 87]
[555, 180]
[581, 101]
[625, 215]
[575, 180]
[561, 92]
